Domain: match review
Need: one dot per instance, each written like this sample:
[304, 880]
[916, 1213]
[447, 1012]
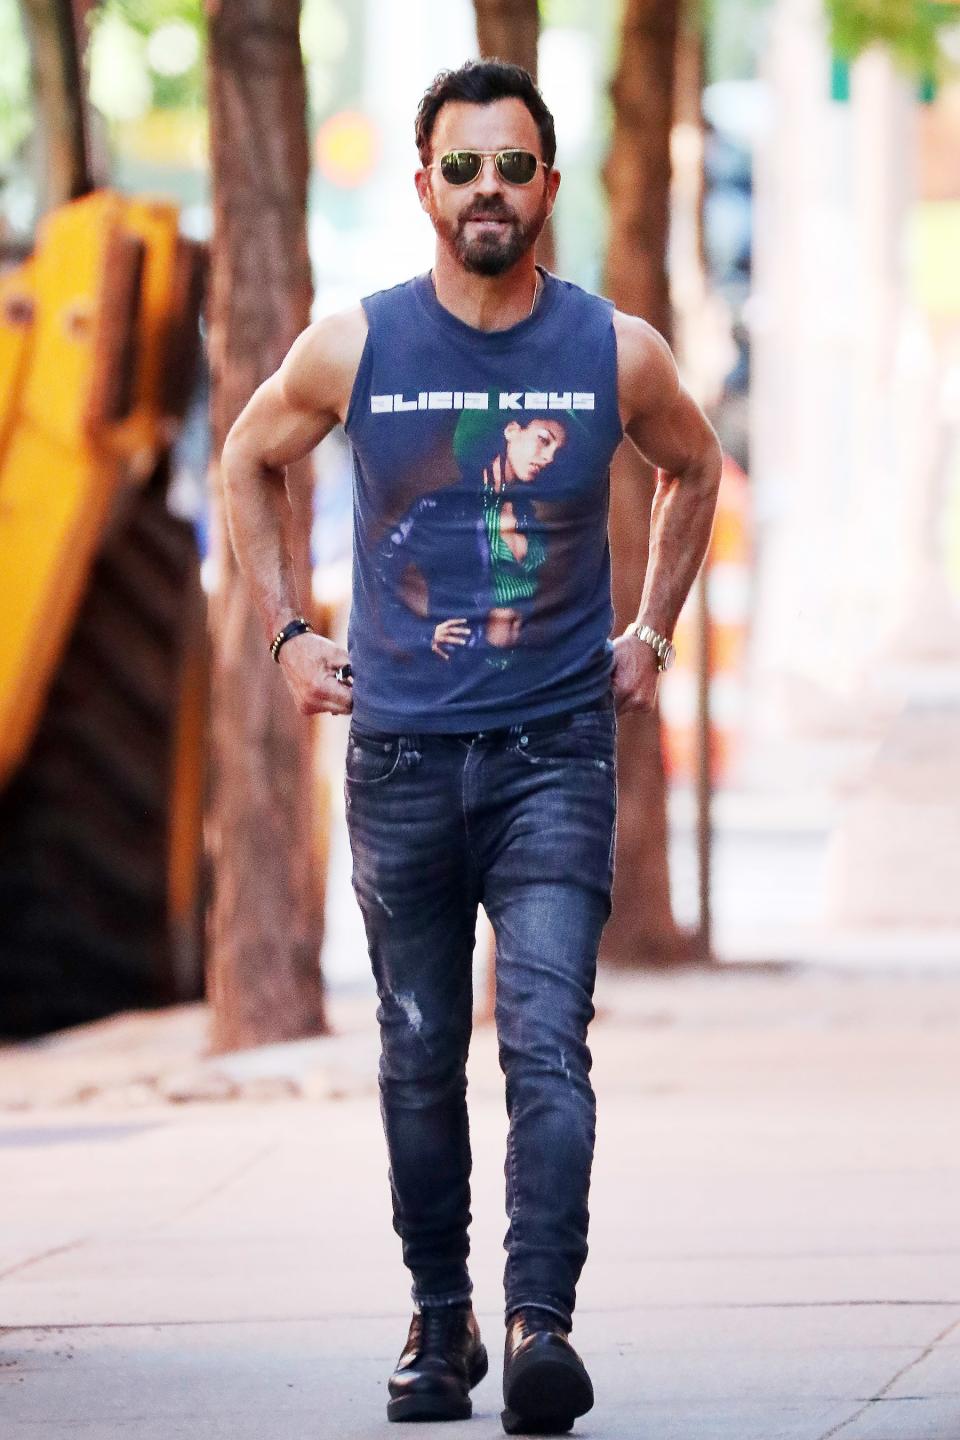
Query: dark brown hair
[480, 82]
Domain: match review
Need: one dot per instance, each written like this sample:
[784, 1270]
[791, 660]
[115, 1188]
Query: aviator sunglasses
[516, 167]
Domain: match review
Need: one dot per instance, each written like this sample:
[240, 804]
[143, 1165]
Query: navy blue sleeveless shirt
[481, 563]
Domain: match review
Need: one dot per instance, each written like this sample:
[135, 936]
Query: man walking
[482, 781]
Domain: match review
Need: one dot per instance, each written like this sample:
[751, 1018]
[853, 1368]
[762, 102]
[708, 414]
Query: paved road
[776, 1228]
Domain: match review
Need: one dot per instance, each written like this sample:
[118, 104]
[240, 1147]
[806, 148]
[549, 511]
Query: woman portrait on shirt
[489, 509]
[517, 549]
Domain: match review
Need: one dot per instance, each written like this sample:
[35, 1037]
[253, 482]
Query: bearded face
[487, 224]
[489, 237]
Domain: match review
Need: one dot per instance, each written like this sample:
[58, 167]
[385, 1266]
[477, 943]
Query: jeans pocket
[371, 761]
[587, 736]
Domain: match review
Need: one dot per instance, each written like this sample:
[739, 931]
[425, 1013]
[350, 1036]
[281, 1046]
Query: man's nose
[488, 181]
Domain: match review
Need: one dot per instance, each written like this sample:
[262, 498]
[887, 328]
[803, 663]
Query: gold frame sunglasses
[514, 166]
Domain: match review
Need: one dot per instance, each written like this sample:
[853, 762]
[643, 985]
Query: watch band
[660, 645]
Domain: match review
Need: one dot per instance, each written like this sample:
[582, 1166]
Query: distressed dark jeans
[523, 820]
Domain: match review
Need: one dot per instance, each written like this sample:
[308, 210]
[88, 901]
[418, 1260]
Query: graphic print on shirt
[503, 459]
[481, 561]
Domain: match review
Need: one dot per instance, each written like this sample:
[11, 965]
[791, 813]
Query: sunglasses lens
[460, 166]
[517, 167]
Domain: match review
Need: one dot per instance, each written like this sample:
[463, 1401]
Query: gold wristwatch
[661, 646]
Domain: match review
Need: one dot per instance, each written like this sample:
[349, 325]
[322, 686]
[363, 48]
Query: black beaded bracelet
[299, 626]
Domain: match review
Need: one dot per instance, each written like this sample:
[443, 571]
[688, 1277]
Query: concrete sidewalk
[775, 1245]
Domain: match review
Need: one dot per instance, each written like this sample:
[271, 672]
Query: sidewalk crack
[882, 1392]
[220, 1186]
[44, 1255]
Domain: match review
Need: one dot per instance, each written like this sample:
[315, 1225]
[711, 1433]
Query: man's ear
[421, 179]
[553, 185]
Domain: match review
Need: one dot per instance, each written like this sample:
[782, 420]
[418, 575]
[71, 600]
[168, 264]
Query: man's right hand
[308, 662]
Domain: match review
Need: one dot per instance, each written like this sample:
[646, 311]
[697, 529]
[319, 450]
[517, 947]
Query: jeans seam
[471, 854]
[512, 1161]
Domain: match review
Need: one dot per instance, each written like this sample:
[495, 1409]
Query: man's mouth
[488, 219]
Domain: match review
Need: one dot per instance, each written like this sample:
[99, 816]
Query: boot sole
[514, 1424]
[544, 1394]
[429, 1405]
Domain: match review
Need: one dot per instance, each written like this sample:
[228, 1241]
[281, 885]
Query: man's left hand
[635, 675]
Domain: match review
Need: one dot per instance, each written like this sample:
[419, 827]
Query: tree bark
[637, 171]
[637, 175]
[54, 29]
[510, 30]
[267, 920]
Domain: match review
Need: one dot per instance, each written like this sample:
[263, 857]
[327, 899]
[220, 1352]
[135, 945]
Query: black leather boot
[545, 1383]
[441, 1362]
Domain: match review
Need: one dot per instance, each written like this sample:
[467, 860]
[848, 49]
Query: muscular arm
[285, 418]
[670, 431]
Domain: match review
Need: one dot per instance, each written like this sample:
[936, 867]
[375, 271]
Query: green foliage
[15, 119]
[146, 15]
[561, 12]
[124, 42]
[734, 32]
[908, 28]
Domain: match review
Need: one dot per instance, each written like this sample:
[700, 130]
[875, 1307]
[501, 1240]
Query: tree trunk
[510, 30]
[637, 174]
[54, 28]
[266, 921]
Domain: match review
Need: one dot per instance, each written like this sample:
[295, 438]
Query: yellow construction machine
[102, 658]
